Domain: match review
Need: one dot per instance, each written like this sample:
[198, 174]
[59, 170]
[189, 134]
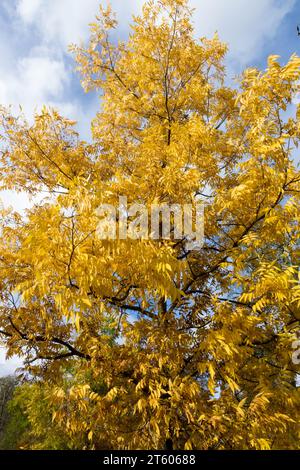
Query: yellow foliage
[166, 344]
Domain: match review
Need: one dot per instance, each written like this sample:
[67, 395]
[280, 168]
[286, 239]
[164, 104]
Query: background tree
[7, 386]
[29, 422]
[202, 340]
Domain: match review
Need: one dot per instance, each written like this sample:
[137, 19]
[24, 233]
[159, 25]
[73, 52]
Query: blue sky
[36, 69]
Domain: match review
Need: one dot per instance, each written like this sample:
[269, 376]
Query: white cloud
[40, 78]
[62, 21]
[36, 80]
[67, 21]
[43, 75]
[8, 367]
[28, 8]
[244, 25]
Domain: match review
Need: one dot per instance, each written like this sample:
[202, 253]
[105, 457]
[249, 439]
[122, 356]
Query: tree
[7, 386]
[29, 422]
[201, 356]
[15, 430]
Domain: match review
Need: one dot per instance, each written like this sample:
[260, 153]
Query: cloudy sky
[36, 68]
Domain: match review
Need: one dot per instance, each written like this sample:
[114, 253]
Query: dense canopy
[143, 344]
